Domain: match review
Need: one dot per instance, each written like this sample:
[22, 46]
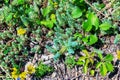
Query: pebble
[44, 57]
[54, 74]
[31, 45]
[47, 62]
[105, 46]
[112, 39]
[50, 56]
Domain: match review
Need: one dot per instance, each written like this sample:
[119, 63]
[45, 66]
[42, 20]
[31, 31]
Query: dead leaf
[118, 54]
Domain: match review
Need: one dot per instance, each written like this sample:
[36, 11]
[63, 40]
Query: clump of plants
[26, 26]
[42, 70]
[95, 62]
[22, 75]
[70, 61]
[30, 69]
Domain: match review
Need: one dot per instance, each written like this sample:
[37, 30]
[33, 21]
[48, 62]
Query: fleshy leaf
[98, 64]
[46, 11]
[76, 13]
[93, 39]
[117, 39]
[92, 72]
[87, 26]
[108, 57]
[85, 69]
[100, 56]
[24, 20]
[105, 26]
[93, 19]
[47, 23]
[70, 51]
[85, 52]
[103, 70]
[109, 66]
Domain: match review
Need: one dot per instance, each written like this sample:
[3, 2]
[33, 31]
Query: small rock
[47, 62]
[54, 74]
[44, 57]
[105, 46]
[50, 56]
[31, 45]
[112, 39]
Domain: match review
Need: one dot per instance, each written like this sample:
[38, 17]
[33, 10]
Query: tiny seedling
[86, 59]
[105, 64]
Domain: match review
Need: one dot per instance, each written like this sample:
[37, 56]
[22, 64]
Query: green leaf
[70, 51]
[24, 20]
[36, 9]
[76, 13]
[81, 58]
[91, 60]
[100, 56]
[78, 35]
[85, 52]
[92, 54]
[7, 50]
[108, 57]
[85, 39]
[109, 66]
[97, 50]
[18, 2]
[85, 69]
[56, 56]
[92, 72]
[38, 22]
[74, 44]
[6, 1]
[46, 11]
[87, 26]
[47, 23]
[1, 15]
[117, 39]
[92, 39]
[98, 64]
[9, 17]
[103, 69]
[93, 19]
[80, 63]
[53, 18]
[60, 20]
[105, 26]
[87, 61]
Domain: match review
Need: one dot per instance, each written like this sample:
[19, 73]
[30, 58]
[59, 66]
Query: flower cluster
[29, 69]
[21, 31]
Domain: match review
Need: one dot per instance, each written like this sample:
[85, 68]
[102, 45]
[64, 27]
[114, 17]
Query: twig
[5, 71]
[115, 10]
[106, 7]
[94, 8]
[76, 74]
[2, 76]
[76, 77]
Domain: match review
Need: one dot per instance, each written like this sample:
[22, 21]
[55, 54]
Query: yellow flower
[118, 54]
[21, 31]
[55, 4]
[53, 18]
[23, 75]
[14, 74]
[30, 68]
